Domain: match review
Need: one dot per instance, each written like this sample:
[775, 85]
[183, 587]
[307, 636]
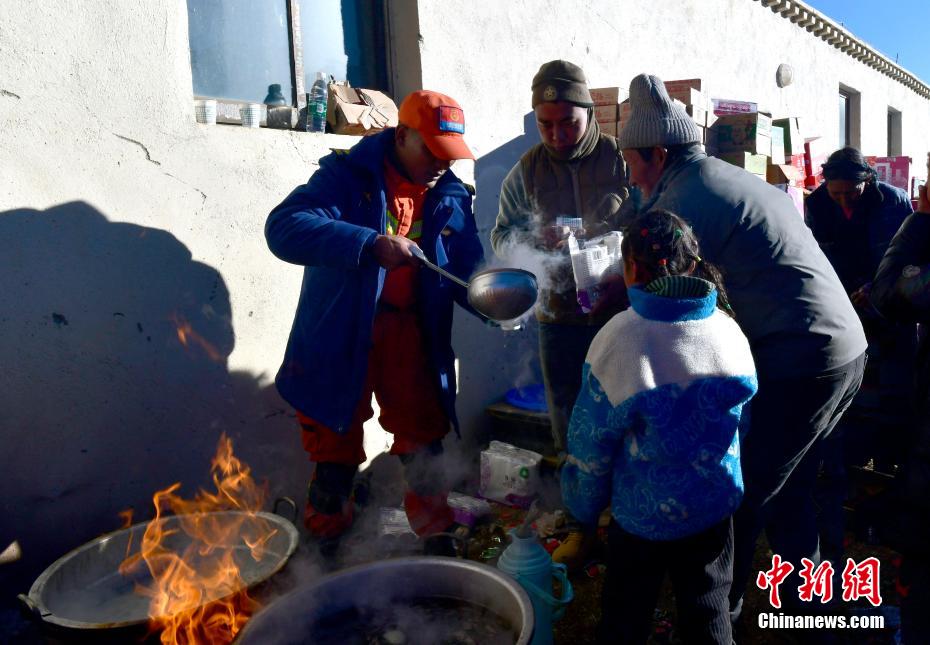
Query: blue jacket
[328, 225]
[654, 431]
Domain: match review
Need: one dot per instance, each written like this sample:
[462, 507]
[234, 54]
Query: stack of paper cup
[205, 111]
[251, 115]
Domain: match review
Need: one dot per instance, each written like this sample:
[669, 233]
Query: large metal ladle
[499, 294]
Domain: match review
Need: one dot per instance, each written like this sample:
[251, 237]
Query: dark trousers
[562, 350]
[780, 454]
[700, 568]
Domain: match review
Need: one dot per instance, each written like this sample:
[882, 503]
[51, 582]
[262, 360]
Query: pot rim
[525, 630]
[38, 608]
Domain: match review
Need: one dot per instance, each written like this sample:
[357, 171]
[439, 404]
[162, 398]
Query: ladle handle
[418, 252]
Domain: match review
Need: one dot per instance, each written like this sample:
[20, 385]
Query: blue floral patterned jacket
[654, 432]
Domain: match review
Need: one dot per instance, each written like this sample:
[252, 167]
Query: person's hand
[611, 294]
[392, 251]
[860, 297]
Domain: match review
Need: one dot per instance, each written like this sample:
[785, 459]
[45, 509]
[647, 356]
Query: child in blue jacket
[654, 436]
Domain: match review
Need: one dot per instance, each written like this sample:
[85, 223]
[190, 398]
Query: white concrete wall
[119, 215]
[486, 53]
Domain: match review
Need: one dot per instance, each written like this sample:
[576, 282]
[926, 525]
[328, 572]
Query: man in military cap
[575, 171]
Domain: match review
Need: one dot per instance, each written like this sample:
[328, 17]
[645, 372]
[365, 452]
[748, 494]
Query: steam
[552, 268]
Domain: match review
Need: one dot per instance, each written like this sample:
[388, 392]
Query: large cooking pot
[301, 616]
[84, 590]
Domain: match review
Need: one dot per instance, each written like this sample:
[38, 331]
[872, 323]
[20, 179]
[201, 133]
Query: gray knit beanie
[559, 80]
[655, 120]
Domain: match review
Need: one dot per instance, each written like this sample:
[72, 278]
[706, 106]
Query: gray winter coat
[786, 297]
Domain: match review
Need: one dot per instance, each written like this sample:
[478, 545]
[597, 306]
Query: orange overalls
[399, 376]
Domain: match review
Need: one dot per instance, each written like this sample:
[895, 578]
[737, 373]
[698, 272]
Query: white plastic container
[205, 111]
[251, 115]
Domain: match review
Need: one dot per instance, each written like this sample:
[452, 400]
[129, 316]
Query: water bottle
[316, 105]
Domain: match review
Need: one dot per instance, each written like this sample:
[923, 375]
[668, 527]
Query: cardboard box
[677, 85]
[605, 114]
[815, 154]
[754, 163]
[608, 95]
[699, 114]
[687, 95]
[893, 170]
[727, 106]
[608, 128]
[778, 145]
[359, 111]
[794, 144]
[744, 133]
[785, 174]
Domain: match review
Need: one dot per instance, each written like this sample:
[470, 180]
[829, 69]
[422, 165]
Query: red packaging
[815, 154]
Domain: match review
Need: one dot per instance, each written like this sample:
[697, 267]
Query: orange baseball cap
[440, 121]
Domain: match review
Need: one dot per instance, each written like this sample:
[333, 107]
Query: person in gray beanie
[806, 339]
[575, 171]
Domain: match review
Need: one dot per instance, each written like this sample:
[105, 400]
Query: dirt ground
[579, 623]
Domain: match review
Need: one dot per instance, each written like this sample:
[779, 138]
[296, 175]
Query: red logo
[772, 578]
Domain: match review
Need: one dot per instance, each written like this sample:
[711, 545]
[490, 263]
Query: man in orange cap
[368, 321]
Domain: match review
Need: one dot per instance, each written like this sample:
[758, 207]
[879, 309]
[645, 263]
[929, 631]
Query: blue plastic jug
[530, 564]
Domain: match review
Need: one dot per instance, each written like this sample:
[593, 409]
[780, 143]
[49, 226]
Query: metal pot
[292, 619]
[85, 591]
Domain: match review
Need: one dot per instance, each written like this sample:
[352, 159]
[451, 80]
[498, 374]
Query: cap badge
[550, 93]
[451, 119]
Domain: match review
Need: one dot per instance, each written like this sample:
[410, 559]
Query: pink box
[893, 170]
[726, 106]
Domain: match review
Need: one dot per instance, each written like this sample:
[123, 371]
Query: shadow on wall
[114, 382]
[491, 364]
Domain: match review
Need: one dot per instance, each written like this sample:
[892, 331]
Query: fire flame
[197, 594]
[188, 336]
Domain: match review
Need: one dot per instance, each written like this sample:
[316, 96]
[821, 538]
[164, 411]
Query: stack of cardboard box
[697, 104]
[745, 140]
[607, 107]
[787, 166]
[686, 93]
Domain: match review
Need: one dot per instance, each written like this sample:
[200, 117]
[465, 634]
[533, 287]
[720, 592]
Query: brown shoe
[576, 549]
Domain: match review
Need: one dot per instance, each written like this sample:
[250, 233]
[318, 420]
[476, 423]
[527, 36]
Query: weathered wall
[487, 53]
[121, 221]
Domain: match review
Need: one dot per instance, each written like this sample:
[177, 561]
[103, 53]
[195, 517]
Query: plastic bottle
[316, 104]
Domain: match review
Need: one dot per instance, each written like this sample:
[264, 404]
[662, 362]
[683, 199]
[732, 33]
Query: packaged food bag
[509, 475]
[592, 262]
[467, 510]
